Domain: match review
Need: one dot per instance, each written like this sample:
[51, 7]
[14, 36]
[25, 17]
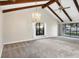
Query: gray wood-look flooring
[43, 48]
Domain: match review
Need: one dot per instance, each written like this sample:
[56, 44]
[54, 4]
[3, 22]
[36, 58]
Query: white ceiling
[72, 11]
[52, 14]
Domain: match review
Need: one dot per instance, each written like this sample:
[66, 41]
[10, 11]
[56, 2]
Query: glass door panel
[73, 29]
[78, 29]
[67, 29]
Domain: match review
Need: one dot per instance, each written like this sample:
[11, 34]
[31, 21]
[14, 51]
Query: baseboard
[17, 41]
[25, 40]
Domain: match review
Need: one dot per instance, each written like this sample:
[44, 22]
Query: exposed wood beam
[76, 4]
[20, 8]
[18, 1]
[49, 3]
[64, 11]
[55, 13]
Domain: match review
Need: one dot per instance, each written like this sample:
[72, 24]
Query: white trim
[17, 41]
[25, 40]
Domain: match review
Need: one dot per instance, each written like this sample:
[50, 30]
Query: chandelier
[36, 15]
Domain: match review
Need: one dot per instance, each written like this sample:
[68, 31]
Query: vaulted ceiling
[64, 15]
[72, 12]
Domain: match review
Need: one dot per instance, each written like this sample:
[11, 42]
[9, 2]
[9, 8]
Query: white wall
[50, 24]
[18, 25]
[1, 22]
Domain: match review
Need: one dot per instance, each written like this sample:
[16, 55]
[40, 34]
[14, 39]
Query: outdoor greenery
[72, 33]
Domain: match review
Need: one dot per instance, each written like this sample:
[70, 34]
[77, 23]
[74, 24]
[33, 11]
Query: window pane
[67, 29]
[73, 29]
[77, 29]
[39, 29]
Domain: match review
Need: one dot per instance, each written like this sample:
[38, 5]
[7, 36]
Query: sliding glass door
[67, 30]
[77, 29]
[71, 29]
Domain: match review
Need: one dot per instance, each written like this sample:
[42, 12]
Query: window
[77, 29]
[71, 29]
[39, 29]
[67, 29]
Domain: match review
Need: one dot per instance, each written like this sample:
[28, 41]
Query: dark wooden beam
[55, 13]
[20, 8]
[64, 11]
[49, 3]
[76, 4]
[18, 1]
